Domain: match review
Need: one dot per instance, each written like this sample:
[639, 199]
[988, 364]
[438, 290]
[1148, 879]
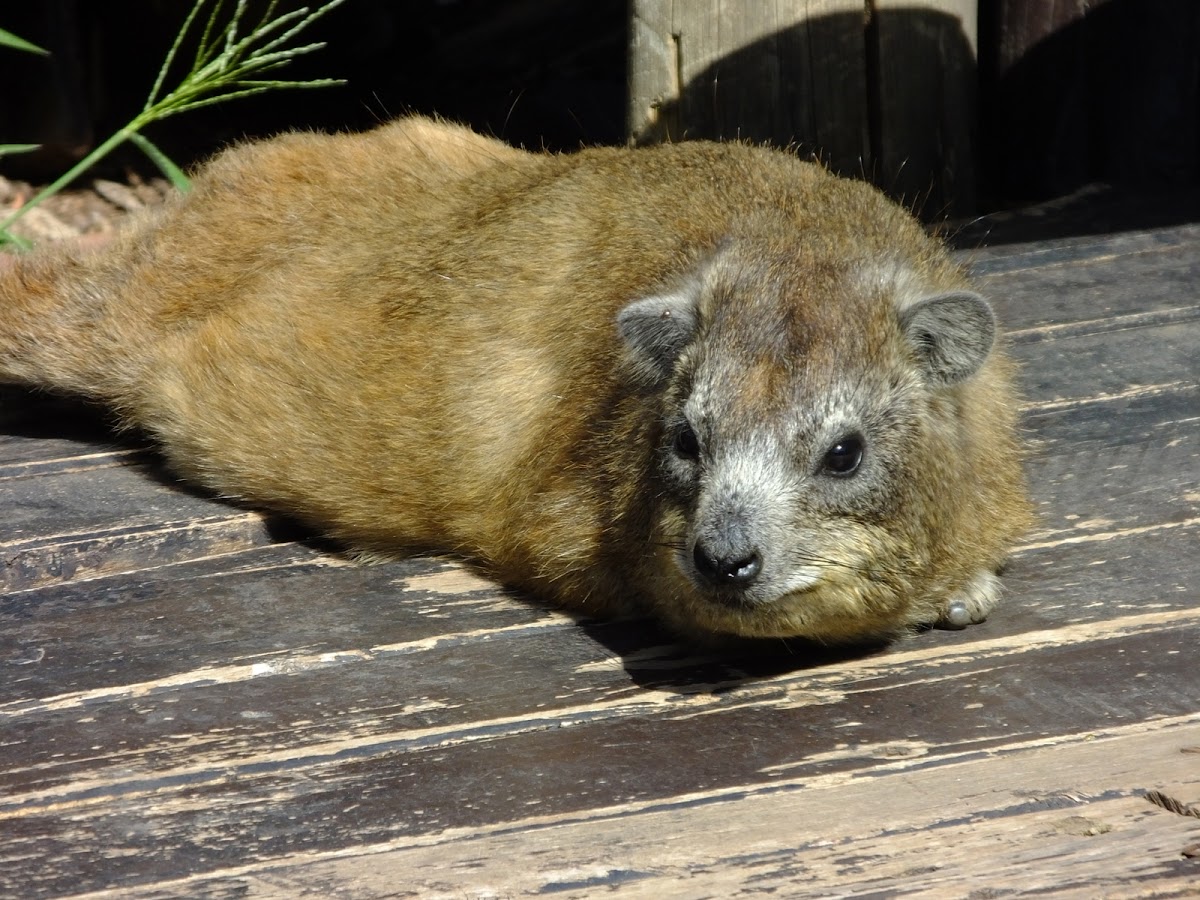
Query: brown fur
[408, 338]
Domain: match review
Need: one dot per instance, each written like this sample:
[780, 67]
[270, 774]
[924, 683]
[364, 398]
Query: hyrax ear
[657, 329]
[953, 334]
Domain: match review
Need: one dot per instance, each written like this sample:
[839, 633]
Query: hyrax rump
[707, 380]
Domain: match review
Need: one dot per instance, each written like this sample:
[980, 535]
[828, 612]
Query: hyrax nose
[727, 569]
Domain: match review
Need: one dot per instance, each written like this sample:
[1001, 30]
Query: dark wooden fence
[957, 106]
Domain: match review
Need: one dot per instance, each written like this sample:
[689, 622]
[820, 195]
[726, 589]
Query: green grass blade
[15, 240]
[310, 17]
[231, 30]
[252, 88]
[170, 58]
[206, 49]
[6, 149]
[266, 29]
[8, 39]
[105, 147]
[165, 164]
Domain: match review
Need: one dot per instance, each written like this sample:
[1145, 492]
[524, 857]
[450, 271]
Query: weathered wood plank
[1037, 819]
[1073, 295]
[1047, 253]
[127, 547]
[83, 512]
[469, 740]
[1065, 817]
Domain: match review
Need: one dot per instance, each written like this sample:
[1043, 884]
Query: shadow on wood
[1080, 92]
[889, 97]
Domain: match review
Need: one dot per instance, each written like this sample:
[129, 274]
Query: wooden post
[1090, 91]
[924, 131]
[883, 89]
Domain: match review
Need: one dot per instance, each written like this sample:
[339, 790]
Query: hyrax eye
[844, 457]
[685, 443]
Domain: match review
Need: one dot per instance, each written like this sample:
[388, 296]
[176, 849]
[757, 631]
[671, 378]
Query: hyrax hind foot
[971, 605]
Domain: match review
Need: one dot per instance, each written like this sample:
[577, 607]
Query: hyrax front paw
[971, 605]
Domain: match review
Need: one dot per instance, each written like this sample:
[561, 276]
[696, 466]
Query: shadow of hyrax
[707, 380]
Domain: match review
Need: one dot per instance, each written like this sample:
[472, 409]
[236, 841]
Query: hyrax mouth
[731, 600]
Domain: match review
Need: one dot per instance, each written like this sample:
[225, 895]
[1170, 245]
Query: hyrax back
[710, 381]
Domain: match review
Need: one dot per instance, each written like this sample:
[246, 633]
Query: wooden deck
[195, 702]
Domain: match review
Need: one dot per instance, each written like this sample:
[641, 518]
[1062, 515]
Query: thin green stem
[70, 175]
[170, 58]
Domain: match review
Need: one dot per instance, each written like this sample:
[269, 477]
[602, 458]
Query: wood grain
[935, 831]
[779, 73]
[882, 89]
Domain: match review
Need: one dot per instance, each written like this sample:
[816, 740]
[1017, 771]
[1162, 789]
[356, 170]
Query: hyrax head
[809, 437]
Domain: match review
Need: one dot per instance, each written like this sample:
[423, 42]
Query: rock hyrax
[710, 381]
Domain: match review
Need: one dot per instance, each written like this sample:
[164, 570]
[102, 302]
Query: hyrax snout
[709, 381]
